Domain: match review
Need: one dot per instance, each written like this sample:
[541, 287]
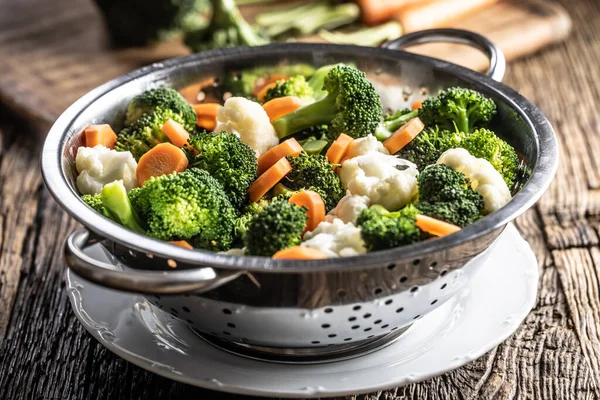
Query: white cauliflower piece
[249, 121]
[360, 147]
[386, 180]
[336, 239]
[100, 165]
[349, 208]
[484, 178]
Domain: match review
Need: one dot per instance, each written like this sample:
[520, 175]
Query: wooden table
[46, 354]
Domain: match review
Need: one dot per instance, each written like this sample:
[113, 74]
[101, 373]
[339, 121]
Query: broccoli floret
[352, 106]
[190, 205]
[94, 201]
[381, 229]
[139, 22]
[277, 226]
[146, 132]
[317, 80]
[118, 207]
[445, 194]
[230, 161]
[392, 122]
[160, 99]
[242, 223]
[227, 28]
[315, 173]
[484, 143]
[295, 86]
[458, 109]
[427, 146]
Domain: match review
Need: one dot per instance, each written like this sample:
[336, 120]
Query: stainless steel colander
[299, 311]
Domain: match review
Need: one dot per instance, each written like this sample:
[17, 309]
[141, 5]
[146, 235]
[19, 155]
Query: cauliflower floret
[484, 178]
[386, 180]
[99, 165]
[349, 208]
[360, 147]
[336, 239]
[249, 121]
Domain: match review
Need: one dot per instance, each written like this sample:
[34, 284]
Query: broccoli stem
[317, 113]
[373, 36]
[386, 128]
[119, 209]
[317, 80]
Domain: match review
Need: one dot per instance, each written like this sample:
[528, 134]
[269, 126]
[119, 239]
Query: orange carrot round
[162, 159]
[176, 133]
[100, 135]
[403, 135]
[315, 207]
[290, 147]
[280, 106]
[263, 92]
[182, 243]
[435, 226]
[299, 253]
[416, 105]
[269, 179]
[338, 149]
[206, 114]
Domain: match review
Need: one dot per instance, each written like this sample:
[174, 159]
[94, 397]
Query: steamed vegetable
[382, 229]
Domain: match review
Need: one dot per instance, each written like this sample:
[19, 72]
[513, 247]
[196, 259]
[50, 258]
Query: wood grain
[555, 354]
[47, 65]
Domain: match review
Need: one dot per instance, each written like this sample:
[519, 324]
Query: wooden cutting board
[52, 52]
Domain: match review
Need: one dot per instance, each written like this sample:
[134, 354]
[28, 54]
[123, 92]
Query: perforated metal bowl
[297, 311]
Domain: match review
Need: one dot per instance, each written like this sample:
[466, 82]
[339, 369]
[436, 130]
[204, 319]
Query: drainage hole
[325, 326]
[328, 310]
[356, 308]
[391, 266]
[370, 336]
[347, 339]
[367, 315]
[414, 289]
[433, 302]
[332, 335]
[355, 326]
[384, 326]
[378, 290]
[367, 329]
[416, 261]
[377, 322]
[400, 310]
[226, 333]
[388, 302]
[417, 317]
[352, 319]
[403, 279]
[227, 311]
[229, 324]
[444, 272]
[315, 342]
[443, 287]
[184, 308]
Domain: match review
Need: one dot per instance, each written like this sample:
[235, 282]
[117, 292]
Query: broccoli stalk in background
[227, 28]
[382, 229]
[118, 208]
[458, 109]
[372, 36]
[392, 122]
[445, 194]
[277, 226]
[352, 106]
[139, 22]
[307, 18]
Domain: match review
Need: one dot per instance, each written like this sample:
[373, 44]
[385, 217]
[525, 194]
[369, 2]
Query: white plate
[484, 314]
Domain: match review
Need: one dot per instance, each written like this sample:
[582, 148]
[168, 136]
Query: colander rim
[546, 163]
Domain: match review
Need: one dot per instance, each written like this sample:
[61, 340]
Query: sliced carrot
[162, 159]
[262, 82]
[290, 147]
[280, 106]
[176, 133]
[206, 114]
[403, 135]
[191, 93]
[263, 92]
[269, 179]
[338, 149]
[182, 243]
[416, 105]
[376, 11]
[100, 135]
[315, 205]
[299, 253]
[435, 226]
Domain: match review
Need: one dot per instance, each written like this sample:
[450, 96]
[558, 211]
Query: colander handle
[496, 56]
[196, 280]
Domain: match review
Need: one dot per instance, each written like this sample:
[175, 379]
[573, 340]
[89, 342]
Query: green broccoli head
[394, 121]
[227, 28]
[315, 173]
[190, 205]
[94, 201]
[146, 132]
[277, 226]
[294, 86]
[242, 223]
[484, 143]
[161, 99]
[445, 194]
[352, 106]
[428, 146]
[458, 109]
[138, 22]
[381, 229]
[230, 161]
